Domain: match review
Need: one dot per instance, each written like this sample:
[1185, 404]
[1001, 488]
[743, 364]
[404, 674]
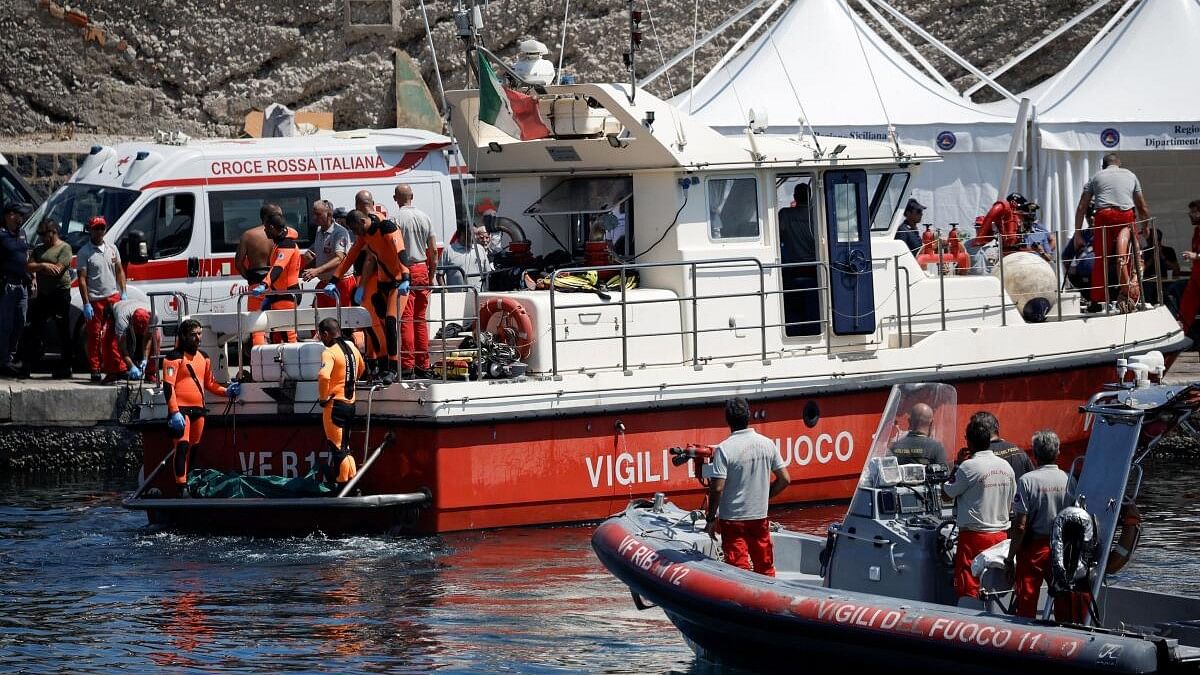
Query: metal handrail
[243, 294]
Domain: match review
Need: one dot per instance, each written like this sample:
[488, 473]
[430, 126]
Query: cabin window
[845, 199]
[166, 224]
[886, 192]
[234, 212]
[733, 208]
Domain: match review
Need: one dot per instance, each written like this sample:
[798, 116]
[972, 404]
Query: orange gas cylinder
[595, 254]
[927, 240]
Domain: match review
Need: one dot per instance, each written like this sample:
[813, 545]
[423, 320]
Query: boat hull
[584, 467]
[734, 617]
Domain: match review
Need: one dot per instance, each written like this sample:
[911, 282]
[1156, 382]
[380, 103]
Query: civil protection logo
[946, 140]
[1110, 138]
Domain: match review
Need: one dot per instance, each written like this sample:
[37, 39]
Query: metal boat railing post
[237, 308]
[1104, 261]
[828, 321]
[762, 308]
[908, 299]
[1003, 302]
[1058, 282]
[624, 327]
[553, 329]
[942, 286]
[899, 318]
[370, 407]
[1155, 246]
[695, 321]
[442, 331]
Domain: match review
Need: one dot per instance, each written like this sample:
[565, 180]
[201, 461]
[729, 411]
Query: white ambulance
[189, 201]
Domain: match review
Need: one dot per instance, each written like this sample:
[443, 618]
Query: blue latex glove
[88, 312]
[358, 295]
[122, 295]
[135, 373]
[258, 290]
[176, 422]
[234, 390]
[402, 289]
[330, 290]
[142, 365]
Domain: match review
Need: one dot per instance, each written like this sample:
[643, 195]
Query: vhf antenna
[468, 22]
[635, 41]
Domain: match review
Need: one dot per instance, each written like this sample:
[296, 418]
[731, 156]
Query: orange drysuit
[284, 275]
[383, 239]
[185, 377]
[341, 365]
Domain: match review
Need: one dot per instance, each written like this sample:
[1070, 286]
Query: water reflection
[85, 587]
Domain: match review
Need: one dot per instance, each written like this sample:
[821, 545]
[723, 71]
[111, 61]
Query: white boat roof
[675, 141]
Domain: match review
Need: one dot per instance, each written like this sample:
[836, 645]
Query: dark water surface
[84, 587]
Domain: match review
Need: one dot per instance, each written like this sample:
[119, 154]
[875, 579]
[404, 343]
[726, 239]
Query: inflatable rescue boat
[877, 589]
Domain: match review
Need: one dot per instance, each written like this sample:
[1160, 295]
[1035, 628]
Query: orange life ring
[514, 327]
[1126, 539]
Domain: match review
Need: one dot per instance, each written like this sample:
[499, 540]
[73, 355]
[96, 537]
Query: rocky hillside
[127, 67]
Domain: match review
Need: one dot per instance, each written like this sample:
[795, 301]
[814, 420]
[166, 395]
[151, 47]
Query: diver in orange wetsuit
[283, 275]
[383, 239]
[187, 372]
[341, 365]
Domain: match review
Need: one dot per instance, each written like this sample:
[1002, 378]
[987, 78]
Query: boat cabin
[752, 247]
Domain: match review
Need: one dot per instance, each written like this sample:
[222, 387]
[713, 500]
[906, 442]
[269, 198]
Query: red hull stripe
[406, 163]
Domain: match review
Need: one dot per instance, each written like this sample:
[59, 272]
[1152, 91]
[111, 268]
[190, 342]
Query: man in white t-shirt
[743, 466]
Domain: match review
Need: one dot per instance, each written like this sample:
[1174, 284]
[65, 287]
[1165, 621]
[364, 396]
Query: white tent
[1135, 92]
[821, 62]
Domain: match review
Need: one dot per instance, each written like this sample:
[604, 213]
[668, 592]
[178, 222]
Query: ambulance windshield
[77, 203]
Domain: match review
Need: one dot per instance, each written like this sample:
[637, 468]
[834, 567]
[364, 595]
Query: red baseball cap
[140, 320]
[97, 221]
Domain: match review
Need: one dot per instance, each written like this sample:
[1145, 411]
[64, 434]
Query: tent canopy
[1134, 90]
[820, 61]
[809, 63]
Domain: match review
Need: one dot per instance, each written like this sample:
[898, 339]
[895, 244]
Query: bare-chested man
[253, 259]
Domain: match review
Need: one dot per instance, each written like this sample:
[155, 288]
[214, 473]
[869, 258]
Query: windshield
[917, 423]
[74, 205]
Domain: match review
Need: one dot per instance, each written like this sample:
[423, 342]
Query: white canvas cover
[1135, 93]
[813, 53]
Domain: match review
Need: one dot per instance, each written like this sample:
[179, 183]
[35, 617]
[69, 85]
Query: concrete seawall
[66, 425]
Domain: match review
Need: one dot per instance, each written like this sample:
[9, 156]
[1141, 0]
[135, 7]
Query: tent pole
[1087, 48]
[674, 60]
[908, 23]
[1014, 146]
[1036, 46]
[908, 47]
[737, 46]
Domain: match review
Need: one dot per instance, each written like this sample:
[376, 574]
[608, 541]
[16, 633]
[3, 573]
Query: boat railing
[240, 308]
[448, 353]
[182, 310]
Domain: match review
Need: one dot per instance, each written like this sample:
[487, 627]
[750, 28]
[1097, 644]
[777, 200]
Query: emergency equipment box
[296, 361]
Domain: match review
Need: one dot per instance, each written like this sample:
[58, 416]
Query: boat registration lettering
[262, 463]
[645, 558]
[938, 628]
[803, 450]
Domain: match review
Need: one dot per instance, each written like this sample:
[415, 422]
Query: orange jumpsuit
[185, 376]
[255, 276]
[284, 275]
[383, 239]
[341, 365]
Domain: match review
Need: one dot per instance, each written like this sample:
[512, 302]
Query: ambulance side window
[233, 212]
[166, 224]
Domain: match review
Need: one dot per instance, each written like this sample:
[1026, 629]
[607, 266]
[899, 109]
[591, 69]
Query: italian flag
[509, 111]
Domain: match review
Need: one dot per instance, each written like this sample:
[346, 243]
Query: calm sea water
[84, 587]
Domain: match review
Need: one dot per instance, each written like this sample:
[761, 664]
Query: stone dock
[66, 425]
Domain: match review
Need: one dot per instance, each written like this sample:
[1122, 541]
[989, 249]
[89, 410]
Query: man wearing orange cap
[101, 285]
[137, 334]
